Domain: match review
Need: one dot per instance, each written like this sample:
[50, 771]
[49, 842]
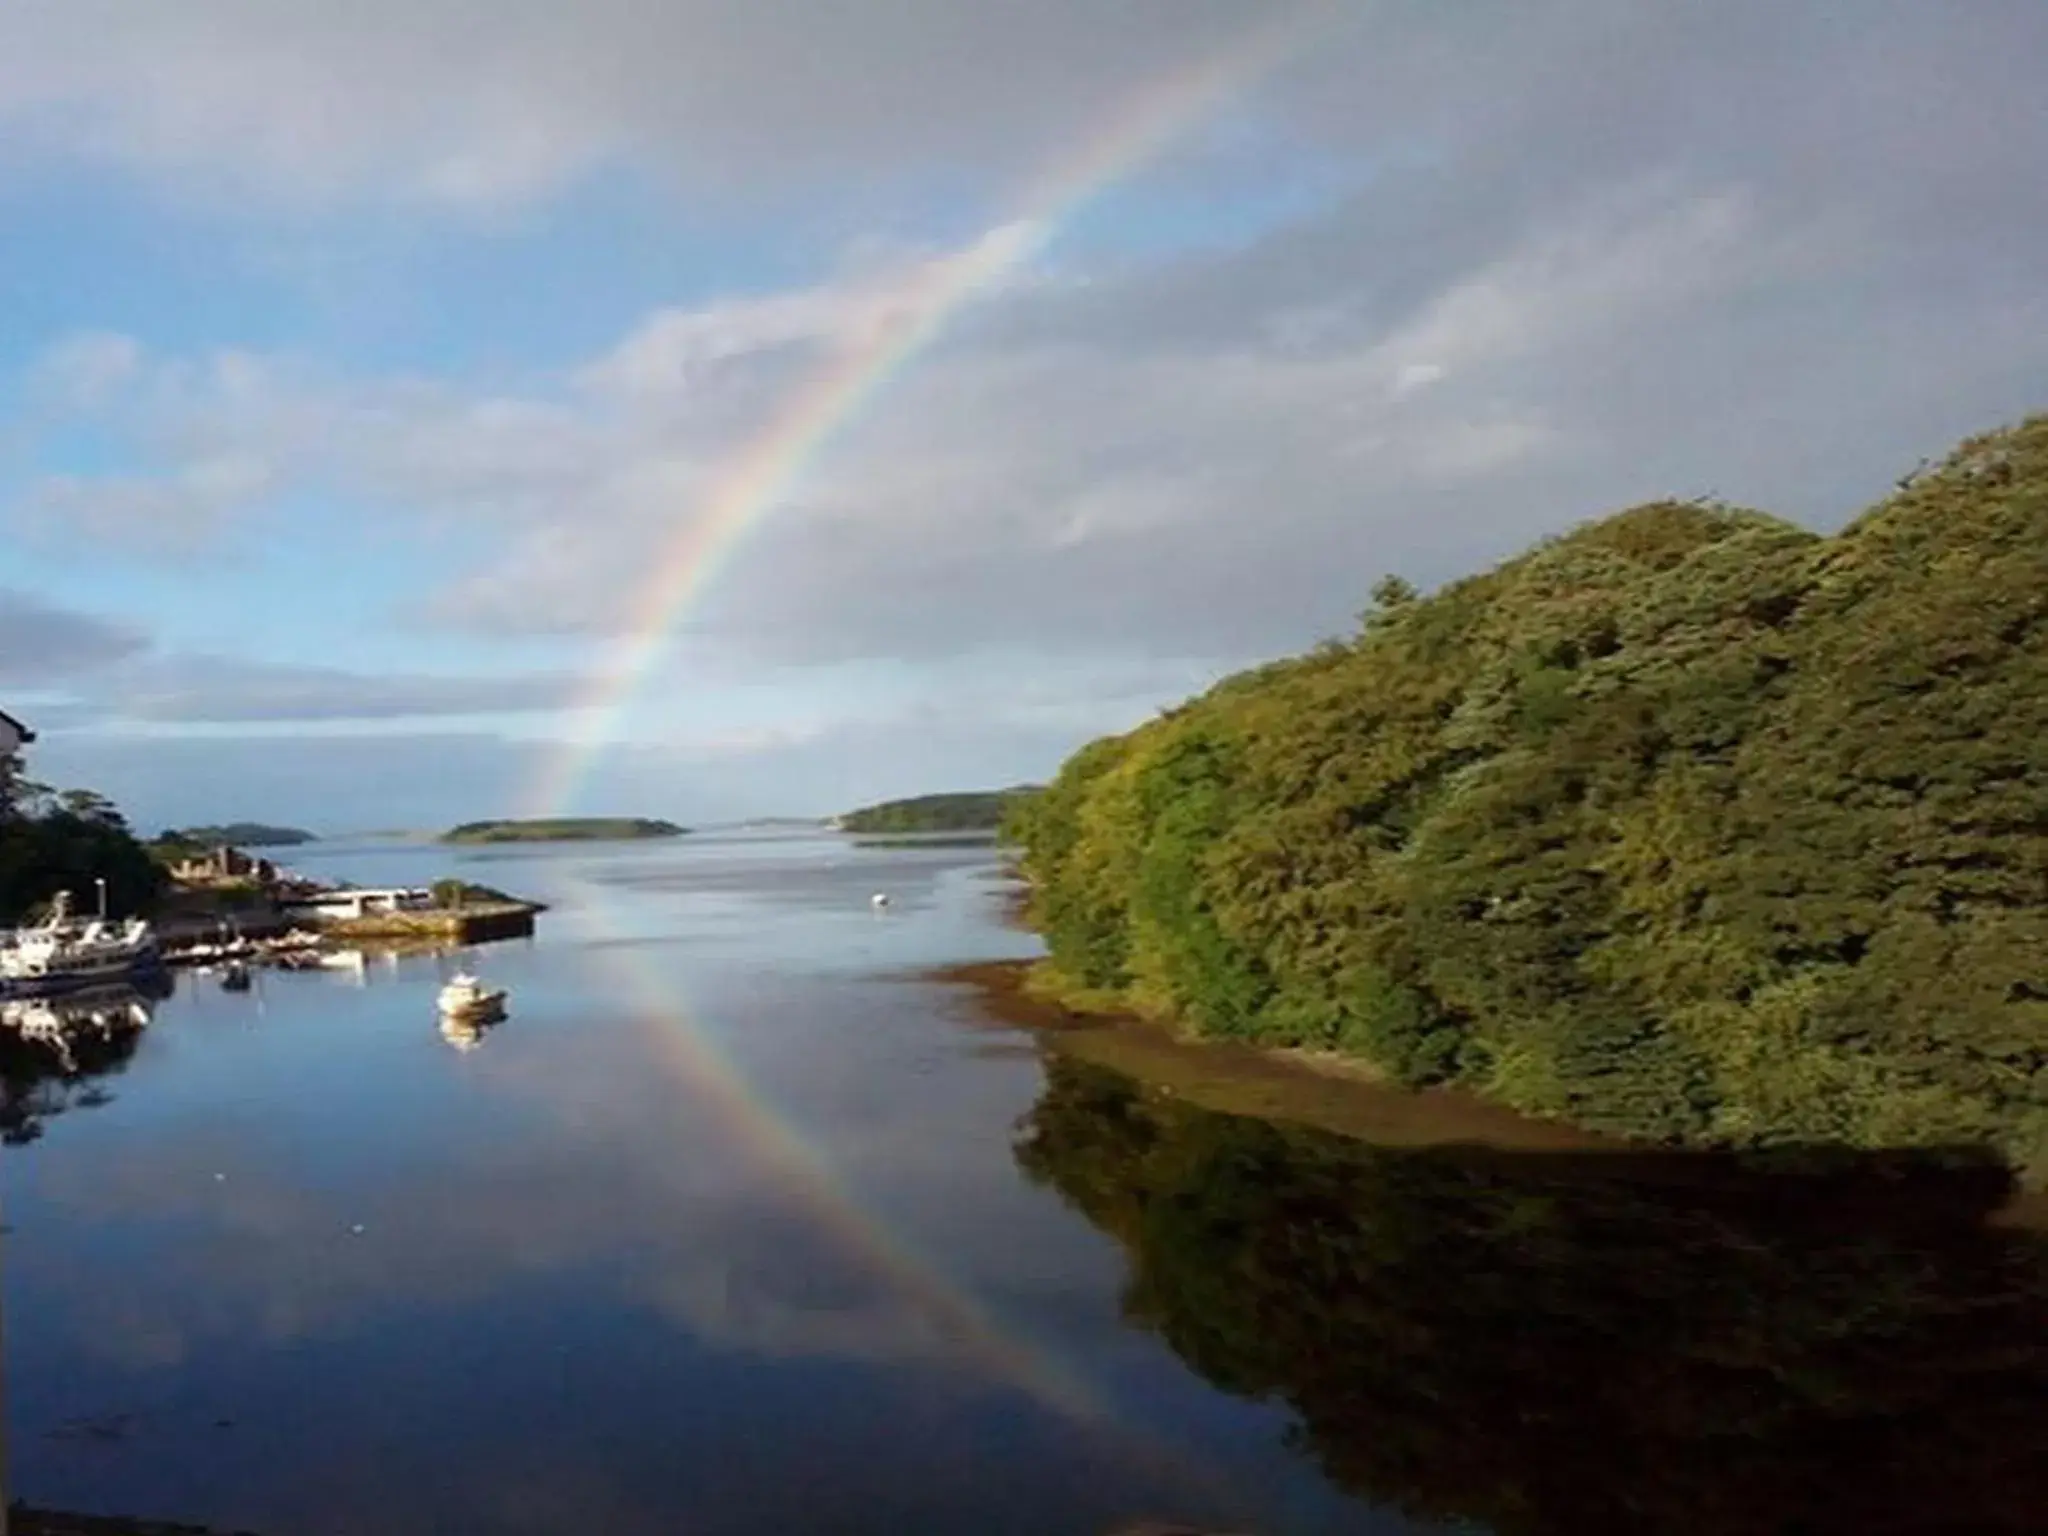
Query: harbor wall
[468, 924]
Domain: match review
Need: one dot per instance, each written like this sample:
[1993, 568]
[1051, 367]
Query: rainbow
[692, 1057]
[760, 476]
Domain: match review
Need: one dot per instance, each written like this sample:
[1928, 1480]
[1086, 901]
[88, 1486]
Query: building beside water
[350, 903]
[223, 865]
[13, 735]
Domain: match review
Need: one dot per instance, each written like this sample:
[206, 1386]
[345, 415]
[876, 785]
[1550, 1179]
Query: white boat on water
[467, 998]
[64, 952]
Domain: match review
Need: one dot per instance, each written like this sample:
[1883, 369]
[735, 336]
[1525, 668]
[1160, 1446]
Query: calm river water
[742, 1223]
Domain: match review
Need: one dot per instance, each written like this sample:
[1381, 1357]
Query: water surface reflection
[738, 1224]
[720, 1232]
[1561, 1343]
[55, 1051]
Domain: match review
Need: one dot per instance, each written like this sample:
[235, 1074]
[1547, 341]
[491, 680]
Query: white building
[13, 735]
[332, 906]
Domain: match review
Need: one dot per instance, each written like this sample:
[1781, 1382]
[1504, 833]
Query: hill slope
[1689, 824]
[975, 811]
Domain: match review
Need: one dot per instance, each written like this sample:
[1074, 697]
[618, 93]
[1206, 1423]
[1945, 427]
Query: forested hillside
[1689, 824]
[970, 811]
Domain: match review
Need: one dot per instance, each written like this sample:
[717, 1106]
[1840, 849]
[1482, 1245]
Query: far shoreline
[499, 831]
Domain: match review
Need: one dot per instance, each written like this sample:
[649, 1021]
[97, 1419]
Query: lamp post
[102, 884]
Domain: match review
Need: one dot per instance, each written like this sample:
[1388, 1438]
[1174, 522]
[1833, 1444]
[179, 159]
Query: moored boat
[64, 953]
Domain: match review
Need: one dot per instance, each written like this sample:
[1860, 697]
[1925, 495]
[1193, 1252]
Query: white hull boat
[65, 953]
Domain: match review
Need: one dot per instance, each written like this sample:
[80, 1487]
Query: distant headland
[239, 834]
[972, 811]
[563, 829]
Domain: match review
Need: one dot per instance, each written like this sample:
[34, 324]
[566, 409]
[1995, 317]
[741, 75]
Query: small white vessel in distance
[467, 998]
[879, 900]
[65, 952]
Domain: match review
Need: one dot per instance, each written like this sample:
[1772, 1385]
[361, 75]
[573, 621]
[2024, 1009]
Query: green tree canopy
[55, 840]
[1689, 824]
[61, 850]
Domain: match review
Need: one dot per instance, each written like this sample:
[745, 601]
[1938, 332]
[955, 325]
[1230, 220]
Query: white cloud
[670, 349]
[1031, 481]
[1589, 275]
[86, 371]
[176, 512]
[1420, 374]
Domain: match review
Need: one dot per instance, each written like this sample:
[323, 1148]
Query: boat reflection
[370, 966]
[53, 1050]
[467, 1032]
[1542, 1344]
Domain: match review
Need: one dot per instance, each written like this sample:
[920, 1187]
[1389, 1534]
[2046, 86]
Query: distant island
[239, 834]
[563, 829]
[973, 811]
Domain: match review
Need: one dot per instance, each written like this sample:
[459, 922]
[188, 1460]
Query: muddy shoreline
[1334, 1094]
[1312, 1088]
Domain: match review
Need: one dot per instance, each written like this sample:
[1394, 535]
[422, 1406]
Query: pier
[262, 915]
[471, 923]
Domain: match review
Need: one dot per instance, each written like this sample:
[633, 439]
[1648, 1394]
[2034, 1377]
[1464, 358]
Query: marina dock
[471, 923]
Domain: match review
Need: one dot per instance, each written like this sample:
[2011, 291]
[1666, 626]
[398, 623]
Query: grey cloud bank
[476, 103]
[41, 645]
[1567, 258]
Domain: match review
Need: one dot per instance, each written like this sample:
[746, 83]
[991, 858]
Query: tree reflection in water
[24, 1521]
[1566, 1344]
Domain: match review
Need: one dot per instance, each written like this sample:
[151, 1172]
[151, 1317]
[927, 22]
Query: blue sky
[357, 362]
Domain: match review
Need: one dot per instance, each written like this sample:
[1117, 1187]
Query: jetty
[472, 923]
[227, 906]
